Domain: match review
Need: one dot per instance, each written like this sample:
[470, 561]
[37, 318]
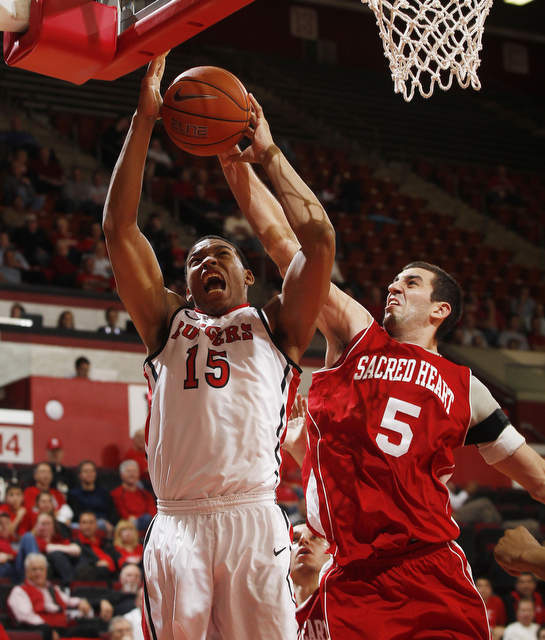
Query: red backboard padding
[67, 39]
[77, 40]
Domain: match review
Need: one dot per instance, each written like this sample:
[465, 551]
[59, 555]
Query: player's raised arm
[137, 272]
[275, 222]
[307, 278]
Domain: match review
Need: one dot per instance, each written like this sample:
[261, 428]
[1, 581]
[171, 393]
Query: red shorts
[426, 594]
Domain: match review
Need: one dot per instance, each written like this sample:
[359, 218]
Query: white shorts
[219, 568]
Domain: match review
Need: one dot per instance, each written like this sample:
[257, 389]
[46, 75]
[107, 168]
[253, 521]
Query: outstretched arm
[279, 222]
[306, 281]
[138, 275]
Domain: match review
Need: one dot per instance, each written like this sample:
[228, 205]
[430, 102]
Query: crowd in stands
[72, 545]
[50, 231]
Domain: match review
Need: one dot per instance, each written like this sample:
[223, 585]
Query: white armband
[503, 446]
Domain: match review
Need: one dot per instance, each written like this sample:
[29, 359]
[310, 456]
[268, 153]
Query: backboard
[77, 40]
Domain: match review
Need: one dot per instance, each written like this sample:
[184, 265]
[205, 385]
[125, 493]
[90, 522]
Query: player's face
[308, 551]
[408, 305]
[216, 279]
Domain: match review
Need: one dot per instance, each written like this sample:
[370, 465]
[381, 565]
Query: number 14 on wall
[16, 444]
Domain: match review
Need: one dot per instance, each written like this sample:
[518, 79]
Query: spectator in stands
[43, 481]
[525, 588]
[33, 241]
[524, 306]
[11, 271]
[470, 509]
[127, 544]
[161, 159]
[61, 552]
[7, 552]
[201, 213]
[536, 339]
[111, 327]
[17, 184]
[540, 315]
[47, 173]
[63, 266]
[131, 502]
[5, 244]
[541, 633]
[65, 321]
[101, 263]
[470, 333]
[20, 521]
[63, 476]
[97, 194]
[513, 337]
[237, 228]
[495, 609]
[96, 561]
[17, 311]
[76, 192]
[42, 606]
[87, 278]
[524, 628]
[92, 236]
[134, 616]
[89, 496]
[16, 137]
[82, 368]
[490, 321]
[45, 504]
[120, 629]
[130, 581]
[138, 452]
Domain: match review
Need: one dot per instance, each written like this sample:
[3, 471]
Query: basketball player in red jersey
[222, 377]
[384, 416]
[308, 556]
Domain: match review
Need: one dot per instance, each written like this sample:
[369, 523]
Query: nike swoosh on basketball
[277, 553]
[178, 97]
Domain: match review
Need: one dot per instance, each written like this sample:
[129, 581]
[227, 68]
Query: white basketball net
[431, 41]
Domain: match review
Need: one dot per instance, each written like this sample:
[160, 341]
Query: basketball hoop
[429, 42]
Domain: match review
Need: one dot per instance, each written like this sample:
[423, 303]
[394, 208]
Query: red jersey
[495, 611]
[383, 423]
[31, 493]
[310, 619]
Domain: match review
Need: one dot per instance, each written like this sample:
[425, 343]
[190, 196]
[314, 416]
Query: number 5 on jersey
[391, 423]
[216, 360]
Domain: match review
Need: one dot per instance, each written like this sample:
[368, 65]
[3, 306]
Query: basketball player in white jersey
[222, 376]
[384, 416]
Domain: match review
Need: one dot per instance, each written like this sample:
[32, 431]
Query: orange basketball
[206, 110]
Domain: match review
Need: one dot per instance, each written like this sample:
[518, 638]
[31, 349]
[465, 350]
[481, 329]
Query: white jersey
[220, 394]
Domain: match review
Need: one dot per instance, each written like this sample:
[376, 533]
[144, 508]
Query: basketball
[206, 110]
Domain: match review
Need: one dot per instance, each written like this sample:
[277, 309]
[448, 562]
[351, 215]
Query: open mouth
[213, 282]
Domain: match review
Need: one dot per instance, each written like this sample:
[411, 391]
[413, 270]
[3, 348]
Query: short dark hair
[83, 462]
[237, 249]
[445, 288]
[81, 360]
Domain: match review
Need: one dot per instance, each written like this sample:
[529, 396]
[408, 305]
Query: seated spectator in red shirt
[138, 452]
[96, 561]
[46, 504]
[495, 609]
[41, 606]
[525, 587]
[61, 553]
[43, 479]
[7, 552]
[132, 502]
[20, 520]
[127, 544]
